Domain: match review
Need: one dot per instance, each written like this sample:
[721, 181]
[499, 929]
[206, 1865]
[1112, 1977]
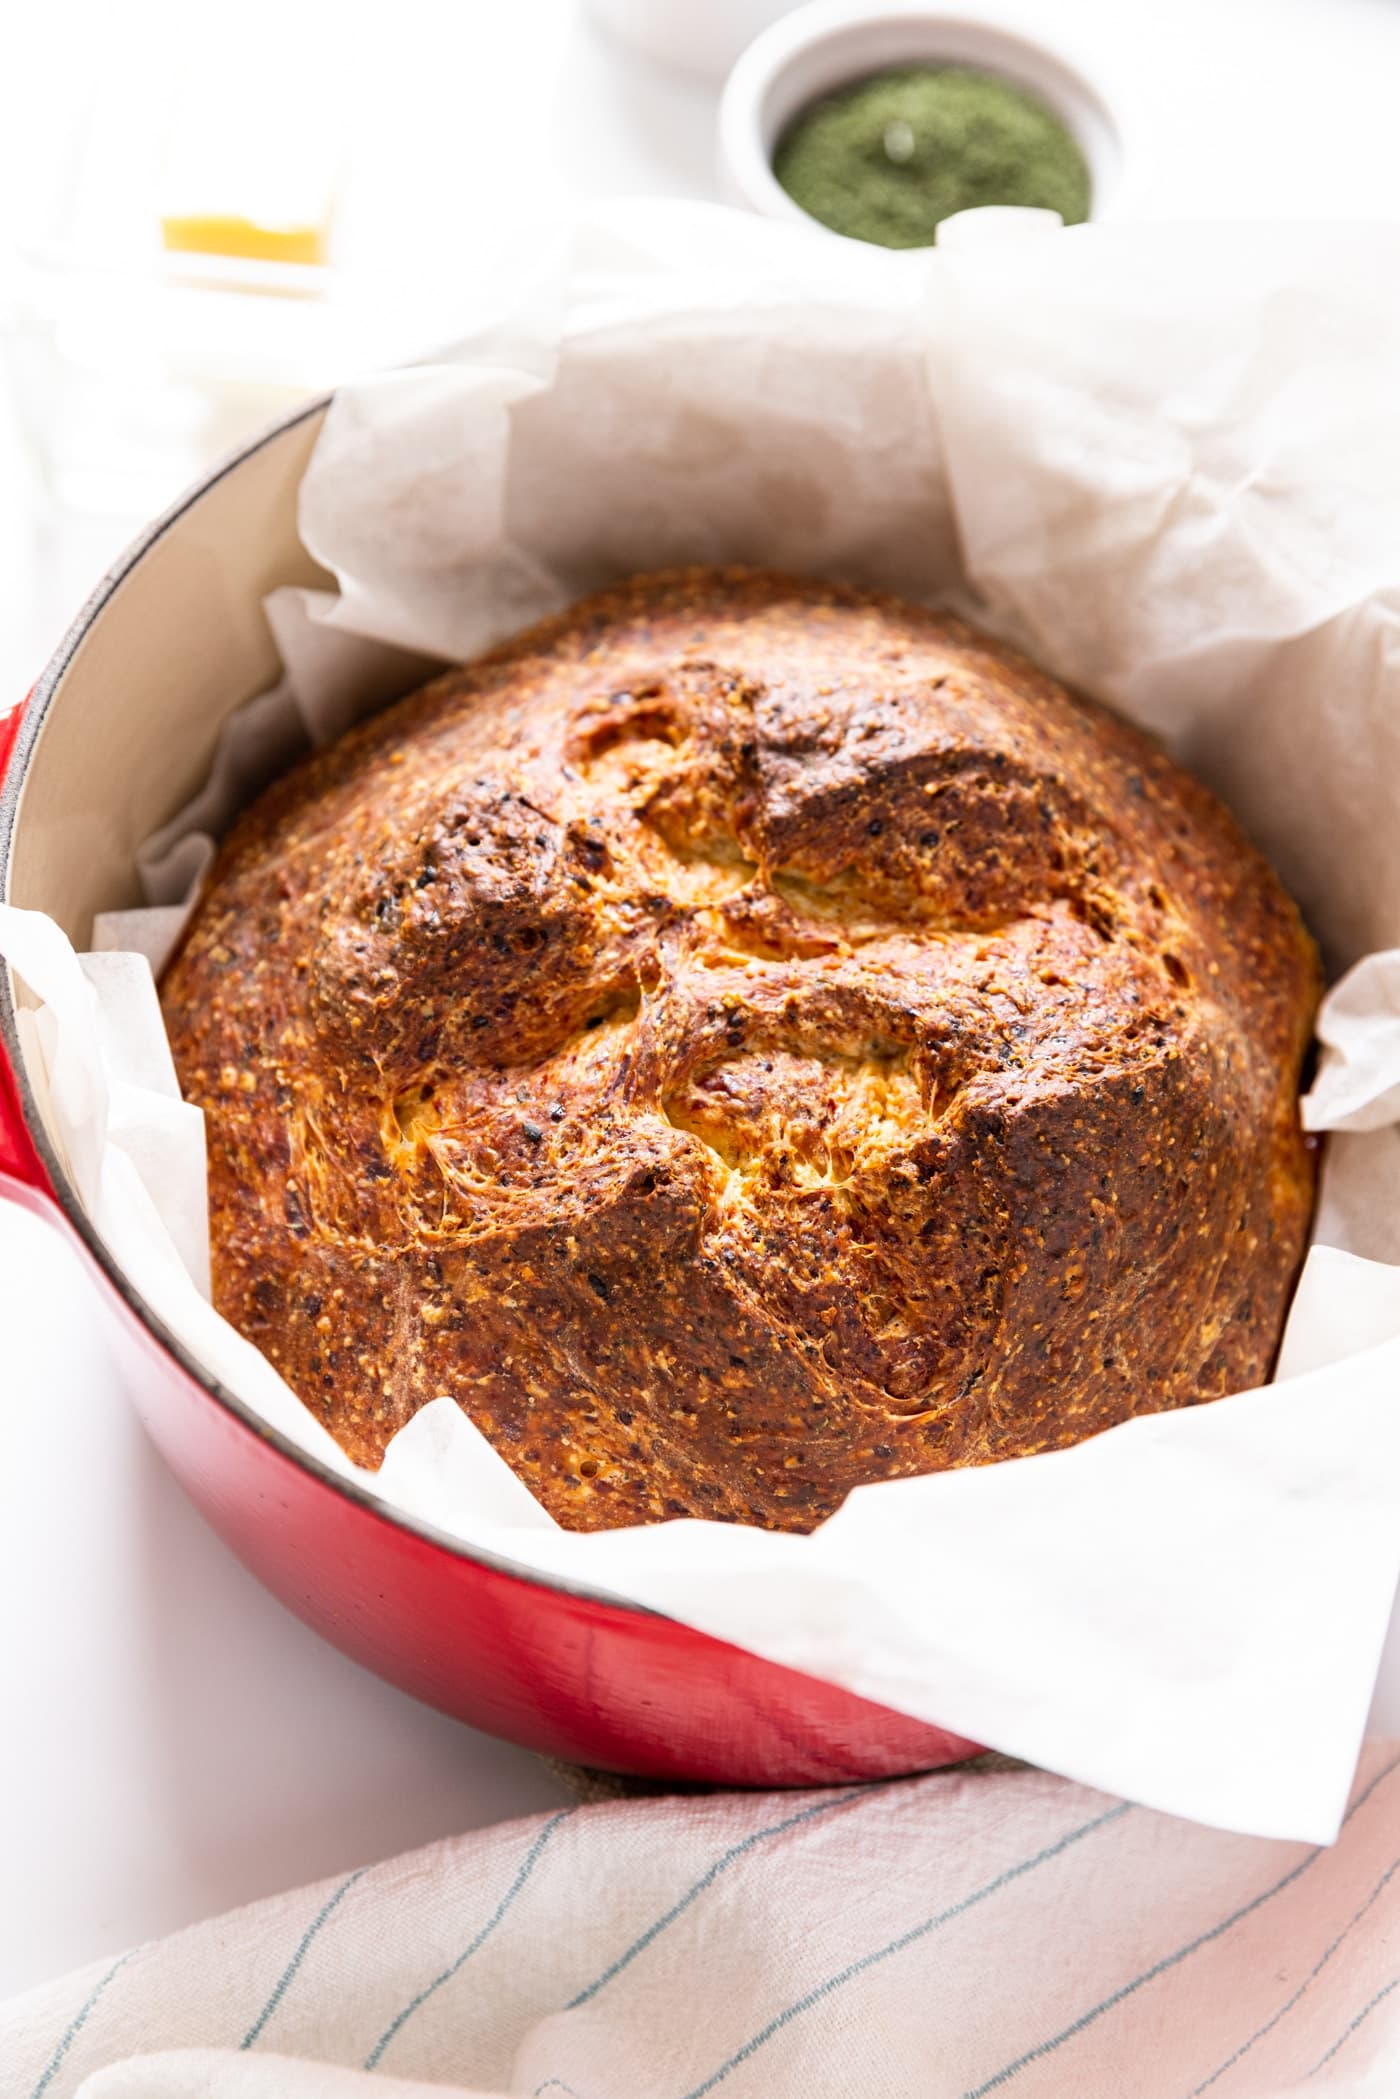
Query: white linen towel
[947, 1937]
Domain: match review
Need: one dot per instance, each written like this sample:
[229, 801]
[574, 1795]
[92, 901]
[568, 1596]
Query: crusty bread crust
[742, 1039]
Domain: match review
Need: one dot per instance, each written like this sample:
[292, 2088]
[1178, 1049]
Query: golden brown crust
[742, 1039]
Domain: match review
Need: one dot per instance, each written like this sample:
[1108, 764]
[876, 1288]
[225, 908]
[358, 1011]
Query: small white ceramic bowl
[831, 43]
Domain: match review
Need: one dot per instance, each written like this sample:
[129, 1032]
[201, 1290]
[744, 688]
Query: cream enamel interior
[181, 642]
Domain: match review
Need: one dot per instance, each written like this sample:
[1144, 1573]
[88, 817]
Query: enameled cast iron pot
[117, 735]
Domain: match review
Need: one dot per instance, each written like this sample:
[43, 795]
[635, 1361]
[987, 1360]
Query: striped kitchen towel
[948, 1937]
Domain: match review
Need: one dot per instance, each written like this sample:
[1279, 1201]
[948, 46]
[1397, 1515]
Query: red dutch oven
[118, 734]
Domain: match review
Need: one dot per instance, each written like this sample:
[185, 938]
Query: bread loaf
[740, 1040]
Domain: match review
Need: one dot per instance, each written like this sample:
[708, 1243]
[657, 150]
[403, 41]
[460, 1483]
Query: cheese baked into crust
[741, 1039]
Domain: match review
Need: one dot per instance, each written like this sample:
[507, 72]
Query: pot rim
[35, 712]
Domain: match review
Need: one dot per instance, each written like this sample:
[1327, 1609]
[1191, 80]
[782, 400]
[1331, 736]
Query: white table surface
[175, 1743]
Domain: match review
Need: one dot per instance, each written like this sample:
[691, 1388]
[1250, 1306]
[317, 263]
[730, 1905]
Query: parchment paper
[1167, 461]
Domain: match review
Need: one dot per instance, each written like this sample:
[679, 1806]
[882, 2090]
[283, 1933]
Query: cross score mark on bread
[743, 1039]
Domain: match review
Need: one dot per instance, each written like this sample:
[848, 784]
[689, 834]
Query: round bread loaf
[739, 1040]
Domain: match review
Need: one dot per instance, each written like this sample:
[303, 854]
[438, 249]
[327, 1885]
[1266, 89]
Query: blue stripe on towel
[725, 1860]
[1168, 1960]
[907, 1938]
[1304, 1986]
[284, 1979]
[1364, 2014]
[75, 2026]
[526, 1868]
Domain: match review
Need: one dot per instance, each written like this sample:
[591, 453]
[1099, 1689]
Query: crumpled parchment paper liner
[1168, 461]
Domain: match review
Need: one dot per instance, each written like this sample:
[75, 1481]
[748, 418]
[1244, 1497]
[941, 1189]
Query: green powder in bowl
[887, 158]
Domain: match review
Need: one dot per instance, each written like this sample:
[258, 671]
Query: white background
[173, 1742]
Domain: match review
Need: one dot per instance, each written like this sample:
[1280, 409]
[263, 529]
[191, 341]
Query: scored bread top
[741, 1039]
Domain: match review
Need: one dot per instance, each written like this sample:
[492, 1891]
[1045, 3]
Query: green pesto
[887, 158]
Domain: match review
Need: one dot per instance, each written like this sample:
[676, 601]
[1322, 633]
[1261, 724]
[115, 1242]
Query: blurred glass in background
[207, 214]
